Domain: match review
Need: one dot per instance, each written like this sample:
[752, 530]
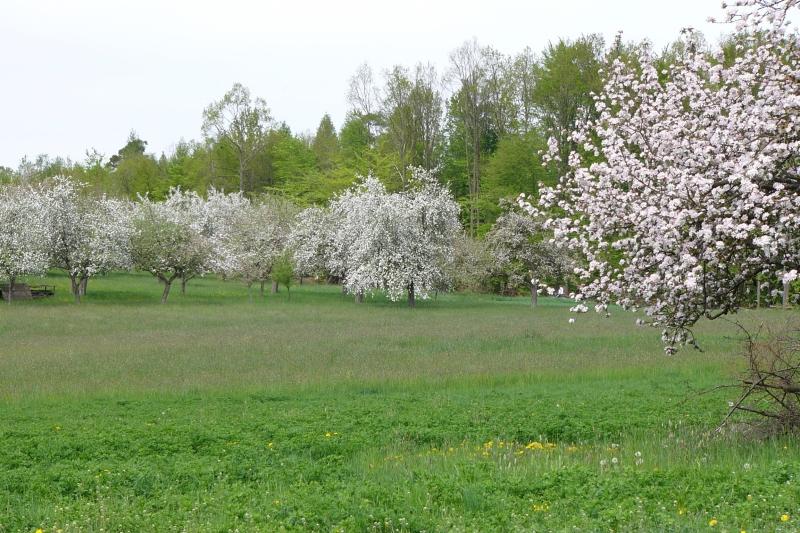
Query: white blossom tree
[311, 241]
[398, 243]
[166, 245]
[24, 235]
[686, 190]
[256, 237]
[523, 254]
[87, 235]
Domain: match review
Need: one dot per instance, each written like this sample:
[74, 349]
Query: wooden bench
[23, 291]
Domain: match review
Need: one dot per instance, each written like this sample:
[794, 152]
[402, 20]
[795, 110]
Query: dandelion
[746, 466]
[614, 461]
[603, 463]
[784, 518]
[571, 320]
[713, 522]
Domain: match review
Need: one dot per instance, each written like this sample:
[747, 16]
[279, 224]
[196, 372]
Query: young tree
[696, 192]
[242, 122]
[283, 272]
[24, 236]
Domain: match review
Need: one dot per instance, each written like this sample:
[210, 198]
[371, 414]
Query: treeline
[480, 125]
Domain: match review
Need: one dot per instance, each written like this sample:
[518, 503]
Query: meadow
[468, 413]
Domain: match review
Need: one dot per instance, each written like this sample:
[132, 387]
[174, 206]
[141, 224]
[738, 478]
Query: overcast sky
[81, 74]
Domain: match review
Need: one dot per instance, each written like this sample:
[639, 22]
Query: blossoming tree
[23, 234]
[257, 236]
[87, 235]
[164, 243]
[399, 243]
[686, 190]
[523, 254]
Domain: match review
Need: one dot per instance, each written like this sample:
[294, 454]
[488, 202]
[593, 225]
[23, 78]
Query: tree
[325, 144]
[696, 192]
[242, 122]
[521, 252]
[87, 235]
[134, 147]
[469, 105]
[23, 234]
[283, 272]
[411, 110]
[567, 78]
[399, 243]
[311, 242]
[164, 244]
[256, 238]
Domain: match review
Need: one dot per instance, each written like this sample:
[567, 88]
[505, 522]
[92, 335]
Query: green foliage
[133, 148]
[283, 271]
[490, 417]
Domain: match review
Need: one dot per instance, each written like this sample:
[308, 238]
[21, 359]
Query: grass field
[471, 412]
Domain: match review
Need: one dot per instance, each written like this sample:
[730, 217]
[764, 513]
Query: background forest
[480, 124]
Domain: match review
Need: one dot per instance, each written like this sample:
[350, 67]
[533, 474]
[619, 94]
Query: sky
[81, 74]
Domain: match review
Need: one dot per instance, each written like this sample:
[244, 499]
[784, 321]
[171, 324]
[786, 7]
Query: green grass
[212, 413]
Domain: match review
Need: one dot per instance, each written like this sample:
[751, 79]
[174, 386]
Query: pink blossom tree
[684, 191]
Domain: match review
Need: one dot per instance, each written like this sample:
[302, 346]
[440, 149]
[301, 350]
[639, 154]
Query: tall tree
[469, 104]
[242, 122]
[569, 73]
[325, 144]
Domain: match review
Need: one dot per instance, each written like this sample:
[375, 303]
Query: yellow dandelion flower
[39, 530]
[713, 522]
[784, 518]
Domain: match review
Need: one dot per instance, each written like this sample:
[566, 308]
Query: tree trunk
[11, 282]
[184, 281]
[241, 173]
[82, 285]
[262, 288]
[75, 286]
[758, 294]
[412, 300]
[250, 292]
[274, 286]
[165, 294]
[534, 293]
[359, 297]
[786, 295]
